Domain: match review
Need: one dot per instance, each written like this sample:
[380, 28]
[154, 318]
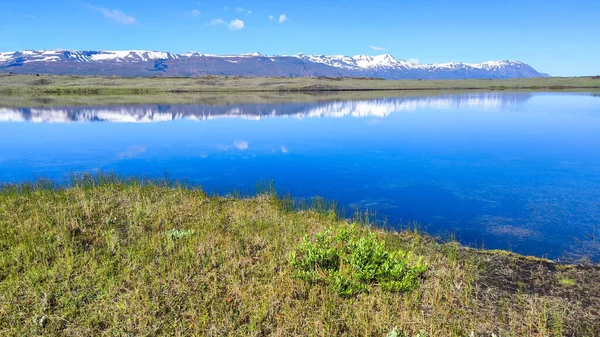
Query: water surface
[518, 171]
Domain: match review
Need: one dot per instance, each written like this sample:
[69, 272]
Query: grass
[567, 282]
[223, 98]
[98, 85]
[112, 256]
[56, 90]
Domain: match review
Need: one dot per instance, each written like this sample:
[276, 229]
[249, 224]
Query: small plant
[396, 333]
[567, 282]
[349, 263]
[180, 233]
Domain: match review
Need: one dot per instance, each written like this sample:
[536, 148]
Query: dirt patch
[328, 78]
[274, 83]
[319, 87]
[578, 286]
[41, 81]
[209, 82]
[517, 274]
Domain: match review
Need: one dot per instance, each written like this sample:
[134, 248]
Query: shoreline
[91, 256]
[237, 98]
[11, 84]
[21, 91]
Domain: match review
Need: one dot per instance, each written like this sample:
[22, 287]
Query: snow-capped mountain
[27, 56]
[154, 63]
[357, 62]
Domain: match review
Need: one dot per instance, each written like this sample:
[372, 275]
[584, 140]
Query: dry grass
[98, 85]
[115, 257]
[223, 98]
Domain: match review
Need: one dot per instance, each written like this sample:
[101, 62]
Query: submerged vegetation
[111, 256]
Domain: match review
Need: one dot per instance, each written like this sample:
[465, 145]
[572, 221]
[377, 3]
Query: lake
[517, 171]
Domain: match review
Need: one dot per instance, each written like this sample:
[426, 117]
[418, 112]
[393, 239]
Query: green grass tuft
[180, 234]
[567, 282]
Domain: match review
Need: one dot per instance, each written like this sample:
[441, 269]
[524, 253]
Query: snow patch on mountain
[192, 54]
[387, 61]
[254, 54]
[5, 56]
[139, 55]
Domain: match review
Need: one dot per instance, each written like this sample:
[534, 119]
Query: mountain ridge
[153, 63]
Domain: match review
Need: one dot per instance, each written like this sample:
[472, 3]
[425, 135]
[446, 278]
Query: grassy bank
[217, 98]
[114, 257]
[96, 85]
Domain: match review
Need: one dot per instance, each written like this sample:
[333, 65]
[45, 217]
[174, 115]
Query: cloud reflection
[131, 152]
[241, 145]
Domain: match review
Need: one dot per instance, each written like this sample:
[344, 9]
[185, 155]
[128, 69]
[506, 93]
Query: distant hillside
[152, 63]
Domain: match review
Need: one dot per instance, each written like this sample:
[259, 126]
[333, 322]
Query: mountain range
[154, 63]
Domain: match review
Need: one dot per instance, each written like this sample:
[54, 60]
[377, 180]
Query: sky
[556, 37]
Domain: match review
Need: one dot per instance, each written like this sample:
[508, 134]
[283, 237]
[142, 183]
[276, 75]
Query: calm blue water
[515, 171]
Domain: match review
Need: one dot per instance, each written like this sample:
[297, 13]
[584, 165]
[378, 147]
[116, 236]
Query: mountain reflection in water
[517, 171]
[160, 113]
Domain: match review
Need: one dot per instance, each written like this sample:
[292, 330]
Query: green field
[206, 98]
[56, 90]
[114, 257]
[73, 85]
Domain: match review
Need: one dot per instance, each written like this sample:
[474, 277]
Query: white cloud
[241, 145]
[378, 48]
[413, 61]
[236, 24]
[284, 149]
[195, 12]
[271, 17]
[115, 14]
[216, 22]
[241, 10]
[282, 18]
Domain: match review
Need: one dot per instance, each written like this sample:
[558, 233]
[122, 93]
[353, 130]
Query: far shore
[99, 85]
[65, 90]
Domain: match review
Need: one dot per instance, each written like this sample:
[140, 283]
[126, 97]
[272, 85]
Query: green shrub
[180, 233]
[350, 263]
[395, 333]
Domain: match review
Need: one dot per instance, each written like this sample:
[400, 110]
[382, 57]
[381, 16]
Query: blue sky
[557, 37]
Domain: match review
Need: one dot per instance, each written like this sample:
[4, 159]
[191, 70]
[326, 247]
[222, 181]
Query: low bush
[351, 263]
